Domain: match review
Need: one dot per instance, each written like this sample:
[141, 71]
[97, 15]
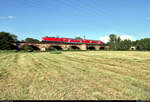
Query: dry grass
[75, 75]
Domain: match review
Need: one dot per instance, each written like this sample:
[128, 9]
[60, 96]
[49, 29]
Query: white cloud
[105, 39]
[8, 17]
[123, 37]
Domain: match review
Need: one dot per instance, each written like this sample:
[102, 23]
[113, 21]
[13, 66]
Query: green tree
[31, 40]
[143, 44]
[6, 40]
[134, 43]
[113, 41]
[78, 38]
[118, 40]
[14, 37]
[124, 44]
[116, 43]
[22, 41]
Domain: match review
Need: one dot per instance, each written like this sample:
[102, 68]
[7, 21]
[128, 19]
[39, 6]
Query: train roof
[72, 38]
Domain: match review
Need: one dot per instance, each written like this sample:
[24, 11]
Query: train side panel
[69, 40]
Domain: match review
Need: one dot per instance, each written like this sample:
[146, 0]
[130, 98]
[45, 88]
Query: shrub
[27, 48]
[51, 48]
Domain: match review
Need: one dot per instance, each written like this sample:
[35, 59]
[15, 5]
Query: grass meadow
[78, 75]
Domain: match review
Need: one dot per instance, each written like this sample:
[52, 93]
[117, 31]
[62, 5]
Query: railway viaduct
[63, 46]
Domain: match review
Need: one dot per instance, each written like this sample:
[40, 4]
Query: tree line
[7, 40]
[115, 42]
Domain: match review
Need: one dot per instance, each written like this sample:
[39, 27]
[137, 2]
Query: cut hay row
[75, 75]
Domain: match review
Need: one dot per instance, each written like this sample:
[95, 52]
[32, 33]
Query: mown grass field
[88, 75]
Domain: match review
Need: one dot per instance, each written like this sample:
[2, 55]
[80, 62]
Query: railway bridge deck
[64, 46]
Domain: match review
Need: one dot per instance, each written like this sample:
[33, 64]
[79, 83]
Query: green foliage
[124, 45]
[70, 49]
[14, 37]
[51, 48]
[134, 43]
[30, 48]
[143, 44]
[6, 40]
[116, 43]
[31, 40]
[113, 42]
[27, 48]
[78, 38]
[74, 48]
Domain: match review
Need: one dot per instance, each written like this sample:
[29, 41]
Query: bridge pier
[97, 47]
[83, 47]
[65, 47]
[43, 49]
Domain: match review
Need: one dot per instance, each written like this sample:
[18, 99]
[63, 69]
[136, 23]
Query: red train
[70, 40]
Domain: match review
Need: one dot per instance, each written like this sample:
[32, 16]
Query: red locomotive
[70, 40]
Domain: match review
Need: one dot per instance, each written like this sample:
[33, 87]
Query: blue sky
[95, 19]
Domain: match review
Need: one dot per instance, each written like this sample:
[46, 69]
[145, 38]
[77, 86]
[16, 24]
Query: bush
[74, 49]
[70, 49]
[27, 48]
[51, 48]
